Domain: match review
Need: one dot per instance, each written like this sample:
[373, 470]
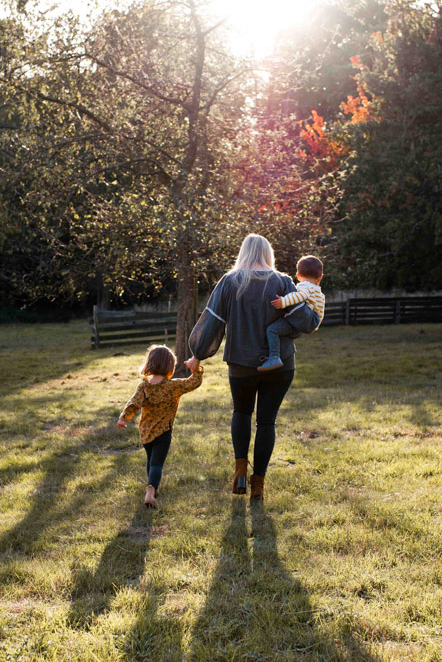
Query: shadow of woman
[256, 610]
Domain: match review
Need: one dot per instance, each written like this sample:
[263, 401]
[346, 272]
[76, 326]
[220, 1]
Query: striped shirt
[309, 292]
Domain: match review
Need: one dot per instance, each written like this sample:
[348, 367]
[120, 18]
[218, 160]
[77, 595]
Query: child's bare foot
[149, 499]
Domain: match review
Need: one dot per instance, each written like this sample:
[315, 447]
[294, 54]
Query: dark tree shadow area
[46, 511]
[256, 610]
[53, 506]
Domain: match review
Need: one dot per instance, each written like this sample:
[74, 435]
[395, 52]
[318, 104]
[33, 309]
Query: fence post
[397, 312]
[347, 312]
[96, 336]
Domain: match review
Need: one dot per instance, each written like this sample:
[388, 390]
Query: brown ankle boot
[256, 487]
[240, 478]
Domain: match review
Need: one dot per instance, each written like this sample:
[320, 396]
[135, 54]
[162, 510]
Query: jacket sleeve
[208, 332]
[134, 404]
[189, 383]
[293, 298]
[288, 286]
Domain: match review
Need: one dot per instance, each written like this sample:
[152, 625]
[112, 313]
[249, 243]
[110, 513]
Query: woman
[241, 301]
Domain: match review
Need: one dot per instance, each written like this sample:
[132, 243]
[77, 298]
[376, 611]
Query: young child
[301, 318]
[158, 397]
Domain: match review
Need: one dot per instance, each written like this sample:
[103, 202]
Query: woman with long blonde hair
[240, 308]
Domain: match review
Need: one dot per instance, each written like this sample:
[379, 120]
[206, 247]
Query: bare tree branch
[147, 88]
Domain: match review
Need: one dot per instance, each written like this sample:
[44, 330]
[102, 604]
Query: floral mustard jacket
[159, 404]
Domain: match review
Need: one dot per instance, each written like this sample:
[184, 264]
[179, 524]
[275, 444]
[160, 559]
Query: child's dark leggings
[274, 331]
[156, 452]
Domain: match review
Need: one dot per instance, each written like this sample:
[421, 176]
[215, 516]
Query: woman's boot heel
[256, 488]
[240, 478]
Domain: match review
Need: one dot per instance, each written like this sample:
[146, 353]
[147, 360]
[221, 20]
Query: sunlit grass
[343, 562]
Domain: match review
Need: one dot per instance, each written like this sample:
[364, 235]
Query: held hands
[121, 424]
[277, 303]
[193, 364]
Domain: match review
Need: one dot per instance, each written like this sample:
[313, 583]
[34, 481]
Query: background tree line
[136, 150]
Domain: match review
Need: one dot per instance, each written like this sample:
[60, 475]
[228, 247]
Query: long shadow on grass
[256, 610]
[52, 507]
[155, 636]
[121, 564]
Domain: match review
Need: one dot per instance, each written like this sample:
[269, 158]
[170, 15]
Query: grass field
[343, 562]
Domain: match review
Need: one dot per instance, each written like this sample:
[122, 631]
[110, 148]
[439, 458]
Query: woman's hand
[121, 423]
[277, 303]
[193, 364]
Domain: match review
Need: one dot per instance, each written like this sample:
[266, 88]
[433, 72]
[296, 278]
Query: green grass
[341, 563]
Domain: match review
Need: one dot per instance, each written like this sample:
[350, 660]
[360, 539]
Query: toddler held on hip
[307, 315]
[158, 397]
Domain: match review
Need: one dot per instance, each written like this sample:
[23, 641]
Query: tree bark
[185, 311]
[186, 268]
[103, 298]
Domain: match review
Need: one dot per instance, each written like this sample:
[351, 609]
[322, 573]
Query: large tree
[132, 143]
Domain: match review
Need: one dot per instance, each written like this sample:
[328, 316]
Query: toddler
[309, 275]
[158, 397]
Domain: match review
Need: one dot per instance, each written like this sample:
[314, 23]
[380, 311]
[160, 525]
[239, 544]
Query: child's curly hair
[159, 361]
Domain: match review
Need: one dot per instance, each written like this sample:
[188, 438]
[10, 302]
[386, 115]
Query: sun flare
[257, 22]
[254, 24]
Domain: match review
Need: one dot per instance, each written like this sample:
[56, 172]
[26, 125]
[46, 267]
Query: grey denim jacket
[243, 320]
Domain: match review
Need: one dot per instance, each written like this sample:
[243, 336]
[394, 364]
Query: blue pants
[274, 331]
[156, 452]
[302, 319]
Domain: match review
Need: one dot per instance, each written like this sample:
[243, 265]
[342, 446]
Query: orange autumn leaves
[360, 107]
[326, 151]
[320, 153]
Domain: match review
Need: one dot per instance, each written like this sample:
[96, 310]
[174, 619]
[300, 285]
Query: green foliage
[311, 67]
[390, 234]
[124, 150]
[136, 152]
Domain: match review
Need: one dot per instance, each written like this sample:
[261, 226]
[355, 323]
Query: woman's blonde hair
[159, 361]
[255, 250]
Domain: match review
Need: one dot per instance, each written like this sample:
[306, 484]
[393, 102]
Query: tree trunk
[103, 298]
[185, 311]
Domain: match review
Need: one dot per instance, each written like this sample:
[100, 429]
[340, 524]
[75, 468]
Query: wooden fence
[384, 310]
[124, 328]
[118, 328]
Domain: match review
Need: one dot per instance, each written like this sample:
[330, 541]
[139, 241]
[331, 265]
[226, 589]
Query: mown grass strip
[342, 563]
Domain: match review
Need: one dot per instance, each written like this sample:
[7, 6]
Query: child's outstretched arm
[193, 364]
[291, 299]
[132, 406]
[189, 383]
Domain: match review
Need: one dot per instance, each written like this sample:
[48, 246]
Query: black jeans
[269, 388]
[157, 451]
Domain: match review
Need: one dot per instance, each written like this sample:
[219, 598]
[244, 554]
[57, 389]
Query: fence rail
[138, 327]
[384, 310]
[118, 328]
